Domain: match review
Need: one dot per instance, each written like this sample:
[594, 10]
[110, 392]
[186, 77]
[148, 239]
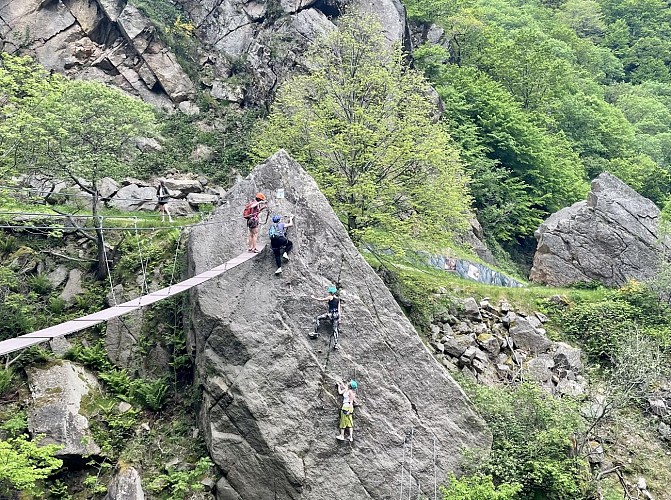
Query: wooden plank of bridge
[15, 344]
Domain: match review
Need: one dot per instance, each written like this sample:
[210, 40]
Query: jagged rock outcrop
[112, 41]
[612, 237]
[106, 40]
[269, 409]
[57, 392]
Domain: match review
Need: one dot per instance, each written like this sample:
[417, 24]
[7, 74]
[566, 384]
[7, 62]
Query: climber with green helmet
[347, 408]
[333, 313]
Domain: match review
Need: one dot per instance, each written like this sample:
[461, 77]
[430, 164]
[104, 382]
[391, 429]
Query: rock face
[106, 40]
[114, 42]
[612, 237]
[270, 408]
[57, 394]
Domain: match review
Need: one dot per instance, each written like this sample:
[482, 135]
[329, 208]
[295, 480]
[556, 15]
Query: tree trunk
[101, 273]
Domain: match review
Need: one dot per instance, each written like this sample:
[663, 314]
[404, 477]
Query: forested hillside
[542, 96]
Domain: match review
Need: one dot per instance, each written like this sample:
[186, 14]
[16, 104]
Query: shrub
[180, 483]
[94, 356]
[23, 463]
[150, 393]
[532, 441]
[599, 326]
[479, 487]
[6, 377]
[39, 284]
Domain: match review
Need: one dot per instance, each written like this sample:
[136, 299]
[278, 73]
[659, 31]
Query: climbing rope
[174, 262]
[412, 438]
[400, 496]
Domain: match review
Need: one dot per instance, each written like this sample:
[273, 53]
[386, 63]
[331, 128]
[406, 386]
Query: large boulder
[270, 407]
[612, 237]
[57, 393]
[125, 485]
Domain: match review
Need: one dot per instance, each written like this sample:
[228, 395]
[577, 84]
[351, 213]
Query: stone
[568, 357]
[132, 197]
[471, 309]
[611, 238]
[197, 199]
[122, 335]
[189, 108]
[257, 383]
[126, 484]
[533, 321]
[658, 407]
[540, 369]
[567, 387]
[489, 343]
[504, 307]
[73, 287]
[595, 454]
[438, 347]
[463, 328]
[457, 346]
[148, 144]
[57, 393]
[226, 92]
[526, 337]
[60, 346]
[183, 186]
[541, 317]
[107, 187]
[123, 407]
[664, 430]
[58, 276]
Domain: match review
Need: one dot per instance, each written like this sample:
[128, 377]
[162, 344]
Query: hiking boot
[340, 438]
[279, 270]
[313, 335]
[351, 439]
[335, 346]
[285, 256]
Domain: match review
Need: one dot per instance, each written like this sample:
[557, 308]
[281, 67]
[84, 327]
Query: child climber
[347, 409]
[278, 240]
[333, 313]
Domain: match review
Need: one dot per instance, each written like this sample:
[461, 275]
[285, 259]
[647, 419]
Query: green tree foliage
[478, 487]
[79, 130]
[23, 463]
[362, 124]
[532, 442]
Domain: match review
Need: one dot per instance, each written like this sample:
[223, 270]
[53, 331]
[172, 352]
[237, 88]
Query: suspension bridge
[30, 339]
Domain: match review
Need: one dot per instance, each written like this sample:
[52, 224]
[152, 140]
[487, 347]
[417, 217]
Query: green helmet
[332, 289]
[353, 384]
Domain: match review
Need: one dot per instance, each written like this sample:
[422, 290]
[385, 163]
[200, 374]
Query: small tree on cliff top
[362, 123]
[75, 129]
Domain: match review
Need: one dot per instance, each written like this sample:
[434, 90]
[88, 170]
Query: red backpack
[250, 210]
[251, 213]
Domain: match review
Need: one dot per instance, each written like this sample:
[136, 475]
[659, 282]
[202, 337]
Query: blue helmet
[276, 218]
[353, 384]
[332, 289]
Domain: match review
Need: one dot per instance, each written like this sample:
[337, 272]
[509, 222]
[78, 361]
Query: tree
[479, 487]
[364, 126]
[78, 129]
[23, 463]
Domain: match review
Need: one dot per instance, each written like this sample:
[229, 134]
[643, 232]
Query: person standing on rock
[347, 408]
[252, 211]
[278, 240]
[163, 194]
[333, 314]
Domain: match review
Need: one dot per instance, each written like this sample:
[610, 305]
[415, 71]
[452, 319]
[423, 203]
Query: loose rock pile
[188, 192]
[492, 343]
